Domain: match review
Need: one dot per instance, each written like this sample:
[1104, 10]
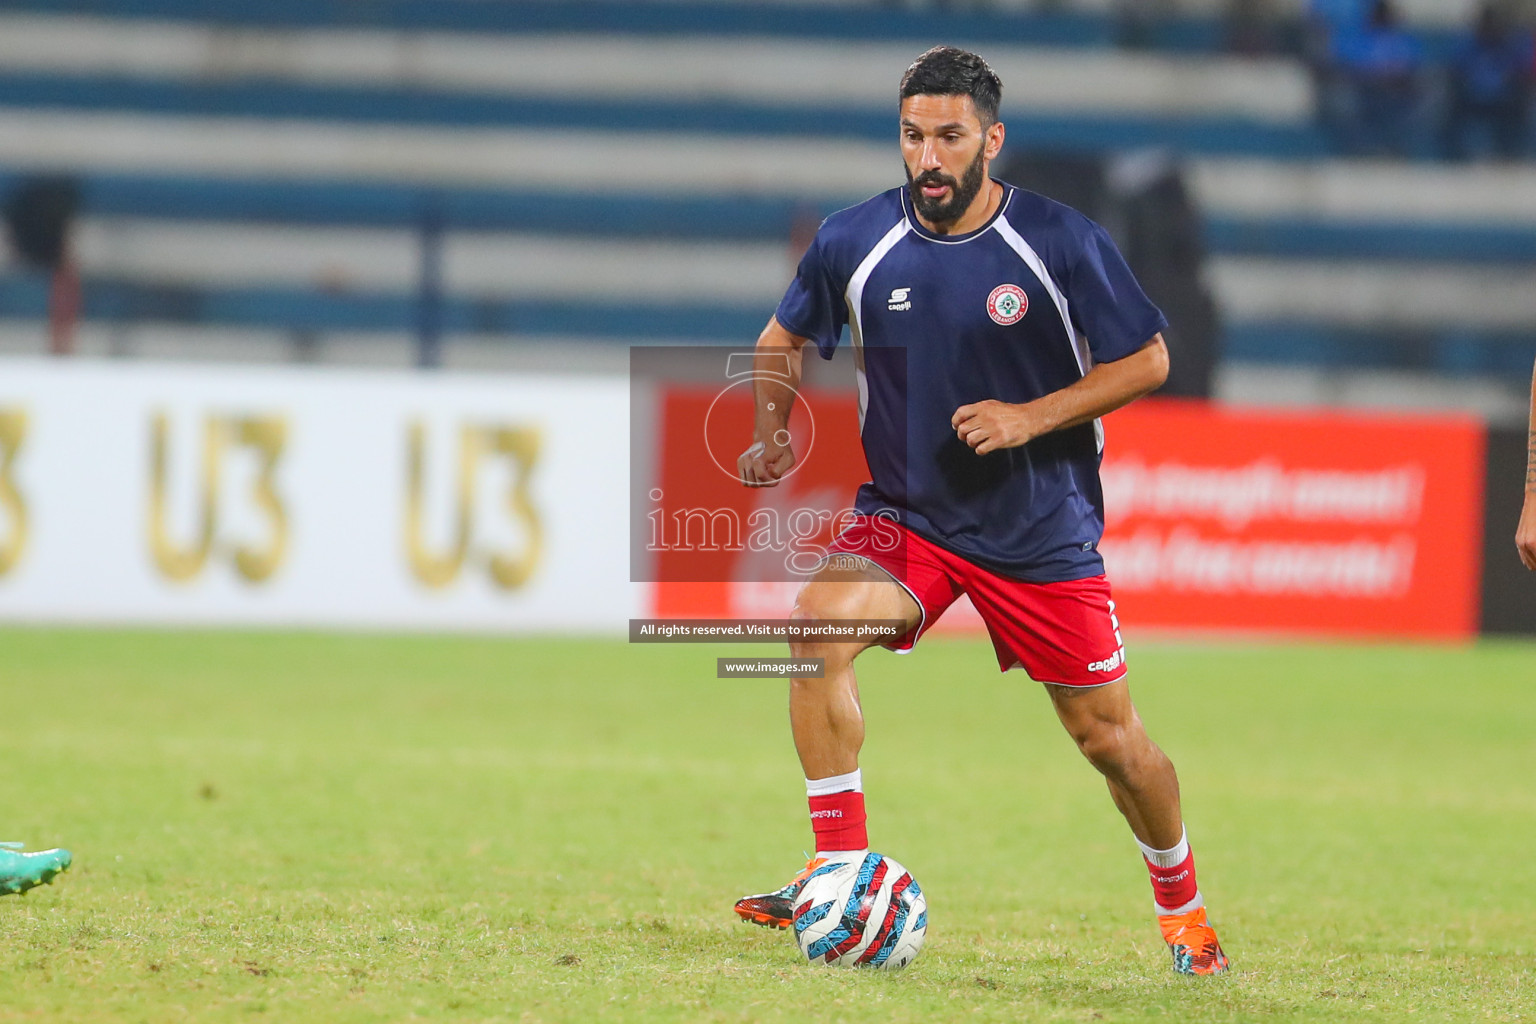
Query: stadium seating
[633, 171]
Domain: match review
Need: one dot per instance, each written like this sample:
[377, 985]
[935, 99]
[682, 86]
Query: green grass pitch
[368, 828]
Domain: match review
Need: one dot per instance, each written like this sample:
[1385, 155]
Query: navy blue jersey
[1015, 310]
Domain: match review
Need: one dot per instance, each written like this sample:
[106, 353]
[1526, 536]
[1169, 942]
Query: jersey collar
[917, 225]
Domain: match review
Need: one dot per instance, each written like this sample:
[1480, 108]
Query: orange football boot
[777, 909]
[1193, 942]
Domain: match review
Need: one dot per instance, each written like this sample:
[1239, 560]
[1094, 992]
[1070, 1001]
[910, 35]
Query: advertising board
[1221, 519]
[315, 497]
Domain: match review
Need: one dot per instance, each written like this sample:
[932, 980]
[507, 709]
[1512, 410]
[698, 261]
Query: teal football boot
[22, 871]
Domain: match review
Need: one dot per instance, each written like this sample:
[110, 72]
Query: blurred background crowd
[1450, 81]
[1382, 89]
[1331, 198]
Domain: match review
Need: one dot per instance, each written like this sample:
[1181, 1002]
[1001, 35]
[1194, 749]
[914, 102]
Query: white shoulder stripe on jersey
[1037, 265]
[1080, 350]
[854, 296]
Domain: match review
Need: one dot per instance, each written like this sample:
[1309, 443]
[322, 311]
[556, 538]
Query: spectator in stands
[1326, 21]
[1256, 27]
[1137, 22]
[1327, 17]
[1489, 90]
[1378, 66]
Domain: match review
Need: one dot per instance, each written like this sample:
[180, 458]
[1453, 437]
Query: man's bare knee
[1121, 751]
[820, 691]
[821, 602]
[1104, 725]
[836, 655]
[1106, 745]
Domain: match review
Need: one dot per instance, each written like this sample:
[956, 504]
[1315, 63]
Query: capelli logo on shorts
[1108, 664]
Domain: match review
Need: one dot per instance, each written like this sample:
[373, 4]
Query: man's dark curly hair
[948, 71]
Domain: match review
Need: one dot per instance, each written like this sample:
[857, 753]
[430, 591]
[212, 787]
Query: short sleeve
[814, 307]
[1108, 306]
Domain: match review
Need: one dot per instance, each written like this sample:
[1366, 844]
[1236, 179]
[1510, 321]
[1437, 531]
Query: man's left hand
[990, 425]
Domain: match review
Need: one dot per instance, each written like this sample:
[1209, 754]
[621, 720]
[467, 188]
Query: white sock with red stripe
[1173, 877]
[837, 813]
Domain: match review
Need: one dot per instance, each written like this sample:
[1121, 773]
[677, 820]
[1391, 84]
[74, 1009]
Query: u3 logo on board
[479, 447]
[13, 504]
[222, 438]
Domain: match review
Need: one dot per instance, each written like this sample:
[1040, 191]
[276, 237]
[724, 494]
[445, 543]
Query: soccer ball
[861, 912]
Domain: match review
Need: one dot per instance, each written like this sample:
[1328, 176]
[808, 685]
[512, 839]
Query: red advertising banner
[1314, 522]
[1218, 519]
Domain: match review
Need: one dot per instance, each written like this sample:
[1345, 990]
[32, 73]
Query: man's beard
[961, 193]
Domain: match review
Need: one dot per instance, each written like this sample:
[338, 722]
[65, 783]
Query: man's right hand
[764, 464]
[1525, 534]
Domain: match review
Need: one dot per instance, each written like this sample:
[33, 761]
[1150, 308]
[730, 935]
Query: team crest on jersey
[1007, 304]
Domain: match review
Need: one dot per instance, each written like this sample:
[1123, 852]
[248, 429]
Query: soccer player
[22, 871]
[1525, 533]
[992, 328]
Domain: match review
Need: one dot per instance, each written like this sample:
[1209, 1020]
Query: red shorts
[1062, 633]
